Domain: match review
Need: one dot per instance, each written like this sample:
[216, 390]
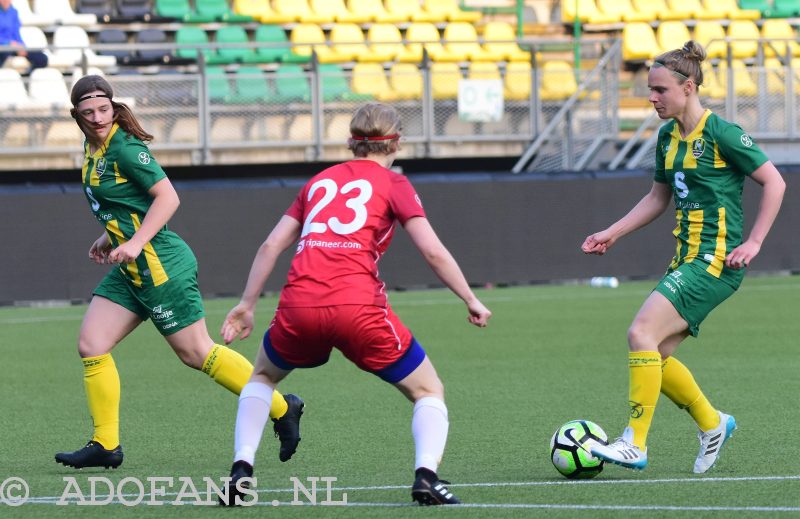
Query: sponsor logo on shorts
[161, 314]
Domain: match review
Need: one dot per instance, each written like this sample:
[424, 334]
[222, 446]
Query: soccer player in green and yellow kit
[154, 275]
[701, 163]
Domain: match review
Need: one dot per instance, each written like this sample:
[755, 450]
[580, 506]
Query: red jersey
[349, 213]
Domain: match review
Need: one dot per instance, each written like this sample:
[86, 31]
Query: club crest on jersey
[144, 158]
[100, 167]
[698, 147]
[746, 140]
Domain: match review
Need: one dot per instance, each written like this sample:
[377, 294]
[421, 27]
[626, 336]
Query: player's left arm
[771, 197]
[165, 203]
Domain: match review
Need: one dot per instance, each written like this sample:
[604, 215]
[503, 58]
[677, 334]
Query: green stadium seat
[231, 34]
[220, 11]
[180, 10]
[336, 85]
[278, 50]
[251, 86]
[785, 8]
[291, 84]
[191, 35]
[219, 88]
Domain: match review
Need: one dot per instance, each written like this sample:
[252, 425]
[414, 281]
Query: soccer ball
[570, 454]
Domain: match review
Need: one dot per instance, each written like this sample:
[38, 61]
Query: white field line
[488, 298]
[336, 493]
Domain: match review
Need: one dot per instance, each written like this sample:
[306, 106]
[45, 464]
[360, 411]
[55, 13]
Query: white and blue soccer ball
[569, 449]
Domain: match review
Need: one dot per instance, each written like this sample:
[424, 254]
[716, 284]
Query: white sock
[429, 426]
[254, 403]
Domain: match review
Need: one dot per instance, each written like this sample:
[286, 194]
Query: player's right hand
[597, 243]
[478, 314]
[238, 323]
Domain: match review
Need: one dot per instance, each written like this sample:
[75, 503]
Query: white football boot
[622, 451]
[711, 443]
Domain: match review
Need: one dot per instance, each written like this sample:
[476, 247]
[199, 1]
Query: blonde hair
[122, 114]
[685, 63]
[374, 129]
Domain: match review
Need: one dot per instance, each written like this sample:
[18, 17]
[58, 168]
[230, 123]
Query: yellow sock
[232, 371]
[678, 384]
[645, 386]
[101, 380]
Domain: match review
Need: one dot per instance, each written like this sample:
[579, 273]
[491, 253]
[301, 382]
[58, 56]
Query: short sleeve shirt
[116, 180]
[706, 171]
[349, 213]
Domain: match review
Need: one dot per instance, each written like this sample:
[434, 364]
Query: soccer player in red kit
[342, 222]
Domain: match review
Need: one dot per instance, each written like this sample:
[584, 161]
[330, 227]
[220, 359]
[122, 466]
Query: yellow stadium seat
[260, 10]
[335, 10]
[299, 11]
[671, 35]
[375, 11]
[776, 76]
[483, 70]
[587, 12]
[660, 9]
[347, 43]
[707, 30]
[746, 31]
[623, 10]
[461, 43]
[409, 10]
[743, 84]
[558, 81]
[732, 10]
[775, 29]
[449, 10]
[406, 81]
[444, 80]
[638, 42]
[500, 43]
[677, 10]
[648, 9]
[517, 81]
[304, 36]
[370, 78]
[711, 86]
[419, 34]
[385, 43]
[697, 10]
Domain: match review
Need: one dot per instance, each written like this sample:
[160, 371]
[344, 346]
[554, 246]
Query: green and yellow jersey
[116, 180]
[706, 171]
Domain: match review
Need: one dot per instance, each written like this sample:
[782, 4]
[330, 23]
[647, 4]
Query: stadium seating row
[641, 42]
[346, 43]
[89, 12]
[290, 83]
[616, 11]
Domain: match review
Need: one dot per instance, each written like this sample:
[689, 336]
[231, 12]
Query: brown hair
[373, 121]
[122, 114]
[685, 63]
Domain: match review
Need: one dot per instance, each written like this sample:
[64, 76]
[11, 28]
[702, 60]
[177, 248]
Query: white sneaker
[711, 443]
[622, 451]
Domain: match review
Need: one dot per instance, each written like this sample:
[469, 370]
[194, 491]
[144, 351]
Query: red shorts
[370, 336]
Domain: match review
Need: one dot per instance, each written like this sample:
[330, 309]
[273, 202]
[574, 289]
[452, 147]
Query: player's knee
[190, 358]
[640, 338]
[431, 387]
[89, 346]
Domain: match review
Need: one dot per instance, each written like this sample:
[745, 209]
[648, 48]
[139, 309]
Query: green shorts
[172, 306]
[694, 292]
